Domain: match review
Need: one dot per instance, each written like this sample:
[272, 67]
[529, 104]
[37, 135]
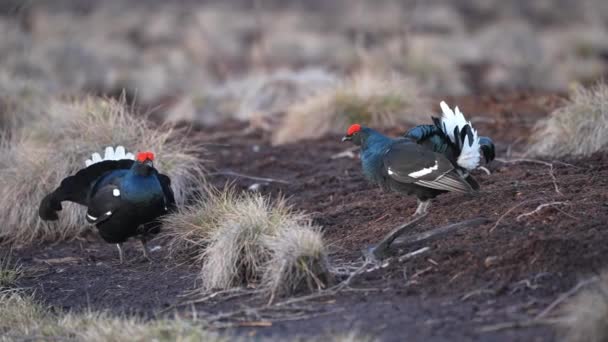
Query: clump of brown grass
[268, 97]
[10, 271]
[190, 228]
[299, 261]
[22, 318]
[236, 254]
[42, 153]
[366, 99]
[238, 238]
[585, 317]
[580, 127]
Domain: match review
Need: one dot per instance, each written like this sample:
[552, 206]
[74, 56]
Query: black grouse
[427, 161]
[124, 197]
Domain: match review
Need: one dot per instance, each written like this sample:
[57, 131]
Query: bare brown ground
[509, 269]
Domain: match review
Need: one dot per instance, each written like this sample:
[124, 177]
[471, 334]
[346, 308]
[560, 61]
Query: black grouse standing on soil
[428, 161]
[124, 197]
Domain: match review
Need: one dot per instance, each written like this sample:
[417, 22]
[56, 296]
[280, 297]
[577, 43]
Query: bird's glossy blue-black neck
[140, 182]
[371, 139]
[373, 147]
[141, 169]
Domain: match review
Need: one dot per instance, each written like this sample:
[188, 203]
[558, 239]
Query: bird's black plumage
[124, 198]
[404, 166]
[427, 161]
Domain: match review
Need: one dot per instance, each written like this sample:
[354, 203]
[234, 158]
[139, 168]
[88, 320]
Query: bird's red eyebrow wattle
[353, 129]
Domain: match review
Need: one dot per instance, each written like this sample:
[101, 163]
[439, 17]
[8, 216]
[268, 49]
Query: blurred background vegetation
[199, 58]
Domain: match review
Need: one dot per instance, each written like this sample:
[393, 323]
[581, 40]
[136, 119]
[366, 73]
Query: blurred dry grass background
[205, 61]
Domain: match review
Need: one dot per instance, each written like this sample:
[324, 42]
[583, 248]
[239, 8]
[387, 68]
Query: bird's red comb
[353, 129]
[143, 156]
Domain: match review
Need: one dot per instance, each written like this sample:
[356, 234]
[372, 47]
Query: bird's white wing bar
[110, 154]
[423, 172]
[95, 220]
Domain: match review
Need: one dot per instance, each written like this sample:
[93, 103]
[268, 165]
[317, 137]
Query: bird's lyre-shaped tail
[75, 188]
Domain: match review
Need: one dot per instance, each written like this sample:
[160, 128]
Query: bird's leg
[423, 207]
[379, 251]
[120, 253]
[144, 245]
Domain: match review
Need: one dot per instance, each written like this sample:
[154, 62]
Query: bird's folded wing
[408, 162]
[165, 183]
[103, 204]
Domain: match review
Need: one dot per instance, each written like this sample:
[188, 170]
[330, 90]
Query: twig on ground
[540, 318]
[517, 324]
[477, 293]
[413, 254]
[565, 296]
[535, 161]
[240, 175]
[538, 209]
[348, 153]
[437, 233]
[509, 211]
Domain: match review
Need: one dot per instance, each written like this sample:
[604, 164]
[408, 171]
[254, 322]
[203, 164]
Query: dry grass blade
[580, 127]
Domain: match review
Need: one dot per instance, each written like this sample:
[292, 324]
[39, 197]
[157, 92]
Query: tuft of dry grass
[235, 254]
[585, 317]
[299, 261]
[10, 271]
[268, 97]
[189, 229]
[238, 239]
[365, 98]
[580, 127]
[42, 153]
[22, 318]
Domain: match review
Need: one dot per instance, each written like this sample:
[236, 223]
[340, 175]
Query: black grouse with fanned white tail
[427, 161]
[124, 196]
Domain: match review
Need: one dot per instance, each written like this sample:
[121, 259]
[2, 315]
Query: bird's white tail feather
[110, 154]
[469, 155]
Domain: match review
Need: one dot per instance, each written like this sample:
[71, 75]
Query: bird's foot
[146, 253]
[375, 254]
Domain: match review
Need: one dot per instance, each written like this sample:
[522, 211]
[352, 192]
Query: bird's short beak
[149, 163]
[346, 138]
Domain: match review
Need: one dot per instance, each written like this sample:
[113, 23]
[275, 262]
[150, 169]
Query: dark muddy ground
[508, 269]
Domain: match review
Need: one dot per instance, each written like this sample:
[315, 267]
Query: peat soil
[506, 270]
